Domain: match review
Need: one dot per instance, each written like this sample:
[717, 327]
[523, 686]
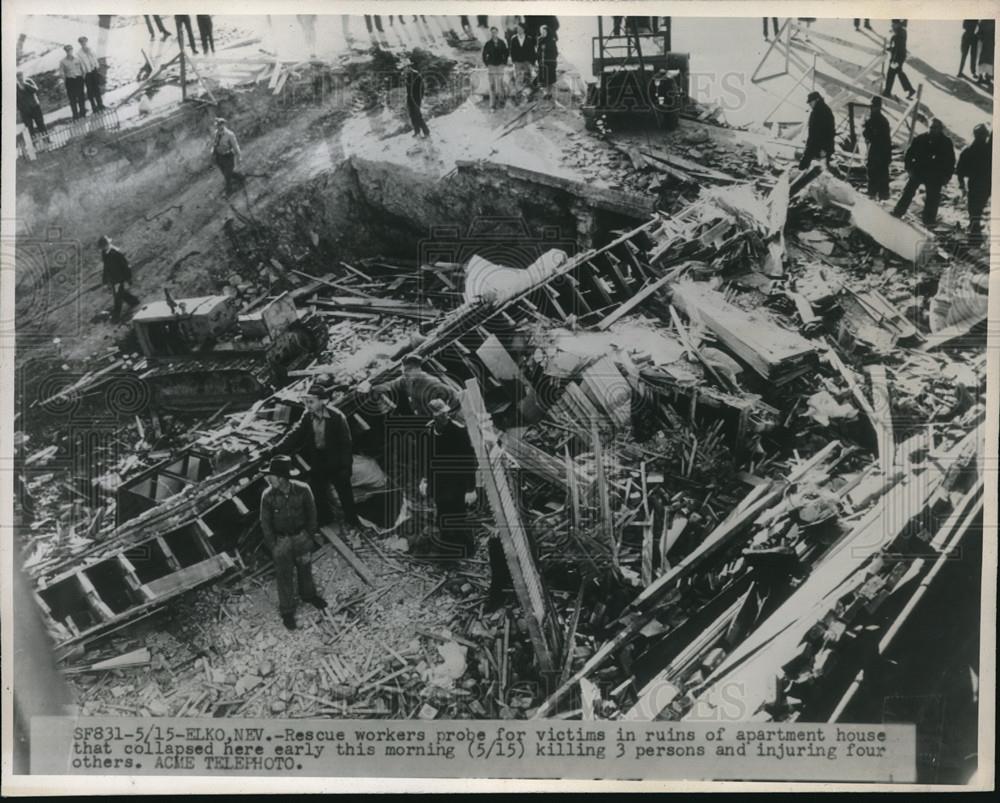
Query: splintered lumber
[347, 554]
[778, 640]
[139, 657]
[764, 497]
[542, 464]
[606, 385]
[625, 308]
[498, 361]
[527, 580]
[883, 418]
[772, 351]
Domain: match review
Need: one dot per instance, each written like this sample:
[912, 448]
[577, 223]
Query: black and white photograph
[604, 396]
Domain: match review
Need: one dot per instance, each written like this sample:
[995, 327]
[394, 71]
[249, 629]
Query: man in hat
[413, 392]
[930, 161]
[288, 523]
[226, 151]
[975, 165]
[28, 105]
[878, 137]
[323, 437]
[117, 276]
[73, 74]
[91, 75]
[821, 133]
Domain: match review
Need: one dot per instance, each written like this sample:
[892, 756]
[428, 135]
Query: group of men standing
[526, 53]
[84, 81]
[292, 511]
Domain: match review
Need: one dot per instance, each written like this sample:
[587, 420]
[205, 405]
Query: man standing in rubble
[287, 524]
[930, 161]
[897, 55]
[975, 165]
[548, 57]
[117, 276]
[878, 138]
[323, 437]
[821, 132]
[413, 81]
[29, 107]
[226, 152]
[92, 78]
[451, 480]
[495, 58]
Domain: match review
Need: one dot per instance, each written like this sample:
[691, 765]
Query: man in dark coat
[975, 166]
[897, 55]
[323, 437]
[878, 137]
[28, 105]
[451, 480]
[495, 55]
[822, 130]
[930, 160]
[117, 276]
[414, 83]
[523, 54]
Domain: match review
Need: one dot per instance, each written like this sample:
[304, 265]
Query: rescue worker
[822, 130]
[413, 392]
[878, 137]
[451, 480]
[159, 24]
[323, 437]
[117, 275]
[930, 161]
[970, 47]
[414, 83]
[183, 21]
[975, 166]
[548, 56]
[226, 152]
[288, 524]
[522, 54]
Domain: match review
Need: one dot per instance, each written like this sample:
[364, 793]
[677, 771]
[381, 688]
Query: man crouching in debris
[226, 152]
[323, 437]
[288, 522]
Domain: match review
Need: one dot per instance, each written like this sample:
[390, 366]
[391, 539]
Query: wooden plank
[633, 302]
[883, 411]
[347, 554]
[190, 576]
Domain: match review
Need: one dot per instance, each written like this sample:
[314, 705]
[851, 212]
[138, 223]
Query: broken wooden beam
[348, 555]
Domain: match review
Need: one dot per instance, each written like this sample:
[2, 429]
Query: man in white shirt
[226, 151]
[91, 75]
[73, 74]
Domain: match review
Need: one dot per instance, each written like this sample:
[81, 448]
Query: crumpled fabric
[823, 408]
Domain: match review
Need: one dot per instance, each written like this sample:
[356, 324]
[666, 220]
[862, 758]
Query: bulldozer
[200, 353]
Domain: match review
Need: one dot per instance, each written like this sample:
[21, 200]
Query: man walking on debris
[495, 59]
[226, 151]
[323, 437]
[975, 165]
[414, 83]
[73, 74]
[287, 524]
[28, 105]
[878, 137]
[451, 480]
[205, 31]
[822, 130]
[970, 47]
[930, 160]
[92, 77]
[184, 21]
[116, 276]
[897, 55]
